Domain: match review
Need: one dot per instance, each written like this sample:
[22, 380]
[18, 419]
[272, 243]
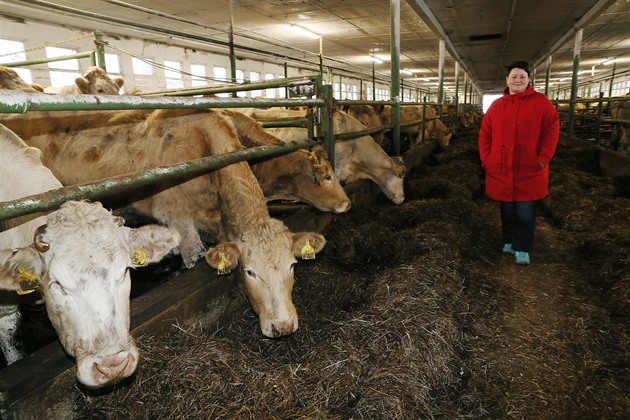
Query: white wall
[37, 35]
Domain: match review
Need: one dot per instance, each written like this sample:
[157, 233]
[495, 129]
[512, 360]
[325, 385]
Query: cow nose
[114, 367]
[282, 329]
[344, 207]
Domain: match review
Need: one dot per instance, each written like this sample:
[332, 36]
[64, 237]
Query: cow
[620, 138]
[78, 257]
[94, 81]
[10, 80]
[369, 117]
[302, 175]
[433, 126]
[116, 143]
[360, 158]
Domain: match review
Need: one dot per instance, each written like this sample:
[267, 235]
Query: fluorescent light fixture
[609, 61]
[376, 59]
[304, 31]
[406, 72]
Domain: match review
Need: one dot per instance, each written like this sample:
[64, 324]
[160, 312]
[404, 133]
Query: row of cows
[79, 256]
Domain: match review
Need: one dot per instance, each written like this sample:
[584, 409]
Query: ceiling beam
[427, 16]
[588, 17]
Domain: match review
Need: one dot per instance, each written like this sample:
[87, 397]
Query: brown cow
[94, 81]
[300, 176]
[10, 80]
[369, 117]
[82, 147]
[360, 158]
[621, 131]
[434, 127]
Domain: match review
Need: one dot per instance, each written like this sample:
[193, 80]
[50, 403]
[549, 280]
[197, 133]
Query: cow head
[444, 138]
[266, 256]
[394, 180]
[319, 185]
[96, 81]
[82, 258]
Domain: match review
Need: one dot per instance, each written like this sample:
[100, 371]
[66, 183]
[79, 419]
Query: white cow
[79, 257]
[94, 81]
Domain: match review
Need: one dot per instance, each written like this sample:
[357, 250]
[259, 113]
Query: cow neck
[243, 205]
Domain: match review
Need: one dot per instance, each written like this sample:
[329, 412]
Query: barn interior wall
[37, 35]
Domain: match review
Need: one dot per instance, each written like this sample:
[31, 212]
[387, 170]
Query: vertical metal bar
[466, 99]
[321, 56]
[395, 74]
[548, 76]
[456, 89]
[600, 108]
[286, 75]
[577, 46]
[373, 82]
[327, 121]
[440, 97]
[612, 78]
[100, 51]
[231, 42]
[424, 113]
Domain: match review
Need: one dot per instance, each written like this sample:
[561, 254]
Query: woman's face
[517, 81]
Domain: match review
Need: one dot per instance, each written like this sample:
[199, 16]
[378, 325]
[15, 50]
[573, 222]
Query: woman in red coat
[518, 137]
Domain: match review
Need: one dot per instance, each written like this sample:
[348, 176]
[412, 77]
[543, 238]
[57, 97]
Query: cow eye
[250, 272]
[329, 177]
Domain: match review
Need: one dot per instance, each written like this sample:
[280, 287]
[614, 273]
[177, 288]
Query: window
[220, 77]
[354, 92]
[173, 74]
[270, 93]
[255, 77]
[198, 75]
[13, 51]
[112, 62]
[59, 77]
[141, 68]
[240, 78]
[71, 64]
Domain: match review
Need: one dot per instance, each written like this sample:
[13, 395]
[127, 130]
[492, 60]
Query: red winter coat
[518, 138]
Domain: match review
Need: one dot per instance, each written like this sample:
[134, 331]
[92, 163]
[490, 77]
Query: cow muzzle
[277, 329]
[96, 372]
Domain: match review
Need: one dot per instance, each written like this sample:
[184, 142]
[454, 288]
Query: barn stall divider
[45, 379]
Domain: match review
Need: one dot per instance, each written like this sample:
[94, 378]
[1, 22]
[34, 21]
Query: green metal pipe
[21, 102]
[267, 84]
[51, 200]
[394, 87]
[100, 51]
[327, 121]
[32, 62]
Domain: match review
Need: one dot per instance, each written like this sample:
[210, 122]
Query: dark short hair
[523, 65]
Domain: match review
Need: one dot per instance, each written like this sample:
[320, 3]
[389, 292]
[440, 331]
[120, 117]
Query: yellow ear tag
[223, 267]
[308, 253]
[139, 258]
[28, 282]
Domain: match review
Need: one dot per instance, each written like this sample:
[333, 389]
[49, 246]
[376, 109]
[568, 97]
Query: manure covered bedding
[411, 311]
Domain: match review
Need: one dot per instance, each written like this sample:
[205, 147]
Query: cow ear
[307, 244]
[20, 269]
[151, 243]
[119, 81]
[82, 83]
[224, 257]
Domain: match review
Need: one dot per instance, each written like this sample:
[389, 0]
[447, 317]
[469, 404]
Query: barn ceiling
[481, 35]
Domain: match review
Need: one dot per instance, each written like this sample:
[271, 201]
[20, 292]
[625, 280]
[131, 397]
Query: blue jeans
[518, 220]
